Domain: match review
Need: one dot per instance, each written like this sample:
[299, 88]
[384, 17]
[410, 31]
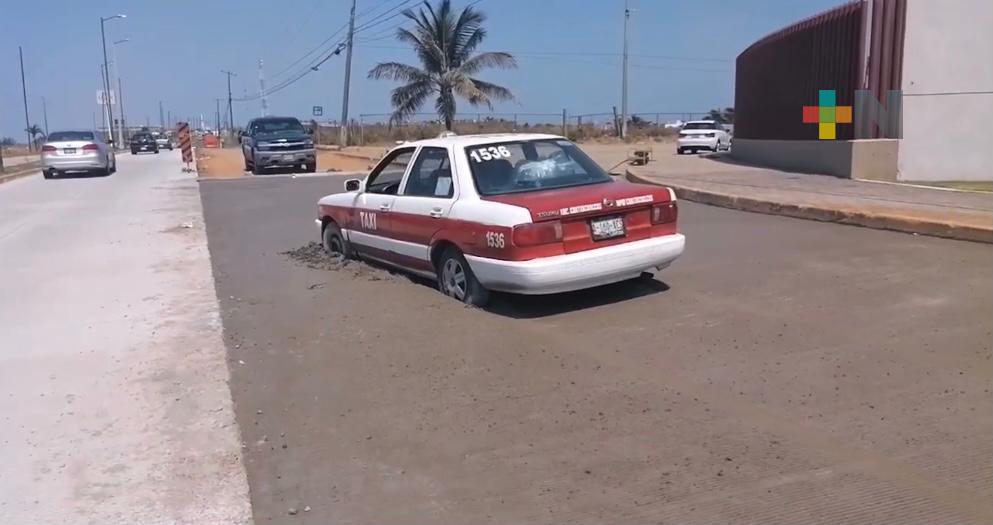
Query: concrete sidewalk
[912, 209]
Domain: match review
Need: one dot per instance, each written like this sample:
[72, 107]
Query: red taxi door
[371, 219]
[422, 207]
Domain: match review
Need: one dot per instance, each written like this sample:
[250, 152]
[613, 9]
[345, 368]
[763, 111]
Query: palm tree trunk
[448, 107]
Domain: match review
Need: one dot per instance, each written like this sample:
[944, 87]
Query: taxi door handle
[384, 207]
[436, 213]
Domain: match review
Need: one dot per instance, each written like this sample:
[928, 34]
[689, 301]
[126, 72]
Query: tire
[452, 265]
[310, 168]
[680, 151]
[134, 151]
[255, 169]
[334, 242]
[48, 174]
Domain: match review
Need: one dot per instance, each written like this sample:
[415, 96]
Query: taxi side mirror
[353, 185]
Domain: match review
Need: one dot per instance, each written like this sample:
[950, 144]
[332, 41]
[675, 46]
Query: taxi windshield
[520, 166]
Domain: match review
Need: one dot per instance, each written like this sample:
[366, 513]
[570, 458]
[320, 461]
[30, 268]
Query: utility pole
[169, 118]
[161, 117]
[44, 112]
[265, 104]
[120, 93]
[217, 115]
[230, 112]
[624, 76]
[106, 75]
[24, 93]
[120, 100]
[343, 137]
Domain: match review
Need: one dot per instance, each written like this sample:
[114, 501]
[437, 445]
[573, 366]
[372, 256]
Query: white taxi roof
[455, 141]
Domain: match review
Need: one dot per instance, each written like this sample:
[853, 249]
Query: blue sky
[568, 51]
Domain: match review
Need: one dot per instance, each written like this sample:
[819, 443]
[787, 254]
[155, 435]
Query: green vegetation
[444, 42]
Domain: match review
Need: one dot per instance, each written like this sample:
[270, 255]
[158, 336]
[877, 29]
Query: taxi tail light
[90, 147]
[664, 213]
[533, 234]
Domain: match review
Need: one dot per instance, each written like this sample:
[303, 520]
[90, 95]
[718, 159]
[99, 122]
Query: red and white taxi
[529, 214]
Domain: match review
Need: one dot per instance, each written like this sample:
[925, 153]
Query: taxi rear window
[520, 166]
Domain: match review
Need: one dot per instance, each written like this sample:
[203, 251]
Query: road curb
[8, 177]
[947, 230]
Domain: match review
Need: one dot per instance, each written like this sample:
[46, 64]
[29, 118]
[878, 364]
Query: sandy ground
[114, 398]
[782, 371]
[228, 163]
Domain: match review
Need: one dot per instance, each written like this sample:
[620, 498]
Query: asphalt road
[782, 371]
[113, 385]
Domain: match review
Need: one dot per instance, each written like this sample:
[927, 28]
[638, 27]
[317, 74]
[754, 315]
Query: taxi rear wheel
[456, 280]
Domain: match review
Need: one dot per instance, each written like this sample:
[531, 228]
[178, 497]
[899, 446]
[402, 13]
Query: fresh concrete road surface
[783, 371]
[113, 385]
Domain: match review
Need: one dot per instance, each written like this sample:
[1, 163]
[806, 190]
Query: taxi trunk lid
[594, 215]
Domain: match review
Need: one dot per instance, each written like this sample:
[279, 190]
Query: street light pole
[120, 93]
[120, 100]
[44, 112]
[106, 75]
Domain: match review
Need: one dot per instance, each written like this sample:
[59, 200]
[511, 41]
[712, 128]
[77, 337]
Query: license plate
[607, 228]
[69, 151]
[287, 158]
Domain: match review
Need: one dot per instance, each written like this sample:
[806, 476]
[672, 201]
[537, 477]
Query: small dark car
[143, 142]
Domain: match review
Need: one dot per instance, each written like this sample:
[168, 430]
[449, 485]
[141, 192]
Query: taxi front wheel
[335, 243]
[456, 280]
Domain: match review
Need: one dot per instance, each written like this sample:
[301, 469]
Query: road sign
[101, 98]
[185, 144]
[318, 111]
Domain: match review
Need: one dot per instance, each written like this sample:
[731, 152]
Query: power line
[537, 54]
[312, 51]
[323, 47]
[300, 74]
[380, 18]
[384, 34]
[557, 58]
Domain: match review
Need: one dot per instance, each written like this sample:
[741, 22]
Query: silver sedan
[66, 151]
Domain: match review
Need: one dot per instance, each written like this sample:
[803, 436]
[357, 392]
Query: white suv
[703, 134]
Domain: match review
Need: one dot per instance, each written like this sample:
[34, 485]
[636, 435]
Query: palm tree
[444, 43]
[34, 131]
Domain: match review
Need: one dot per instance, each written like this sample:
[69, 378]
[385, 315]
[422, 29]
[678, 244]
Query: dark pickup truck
[277, 142]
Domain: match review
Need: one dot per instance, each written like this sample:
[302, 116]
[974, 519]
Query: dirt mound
[313, 255]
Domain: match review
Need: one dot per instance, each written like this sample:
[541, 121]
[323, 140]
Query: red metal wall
[779, 74]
